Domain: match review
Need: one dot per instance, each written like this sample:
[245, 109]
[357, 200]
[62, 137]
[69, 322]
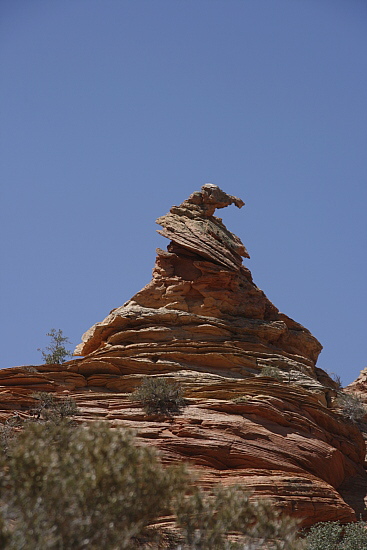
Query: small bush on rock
[337, 380]
[273, 372]
[160, 396]
[240, 399]
[51, 409]
[351, 406]
[29, 368]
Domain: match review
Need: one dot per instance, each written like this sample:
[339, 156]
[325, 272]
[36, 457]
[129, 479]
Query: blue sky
[112, 111]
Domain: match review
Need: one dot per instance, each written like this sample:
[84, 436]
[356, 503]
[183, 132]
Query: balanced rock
[202, 308]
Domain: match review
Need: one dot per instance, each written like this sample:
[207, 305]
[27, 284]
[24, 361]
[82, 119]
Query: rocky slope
[203, 322]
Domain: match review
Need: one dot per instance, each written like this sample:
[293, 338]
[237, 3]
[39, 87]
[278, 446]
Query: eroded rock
[202, 321]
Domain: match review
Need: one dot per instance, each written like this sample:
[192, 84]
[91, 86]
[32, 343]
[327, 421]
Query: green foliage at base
[92, 487]
[82, 488]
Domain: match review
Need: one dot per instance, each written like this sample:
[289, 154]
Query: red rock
[202, 321]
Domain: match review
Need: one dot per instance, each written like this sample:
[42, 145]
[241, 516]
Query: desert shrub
[8, 431]
[56, 352]
[159, 395]
[51, 409]
[82, 488]
[324, 536]
[351, 406]
[334, 536]
[206, 520]
[240, 399]
[93, 487]
[354, 536]
[273, 372]
[338, 381]
[29, 368]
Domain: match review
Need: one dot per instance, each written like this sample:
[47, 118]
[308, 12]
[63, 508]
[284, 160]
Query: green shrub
[56, 352]
[334, 536]
[351, 406]
[93, 487]
[159, 395]
[8, 431]
[206, 520]
[83, 488]
[51, 409]
[273, 372]
[355, 536]
[324, 536]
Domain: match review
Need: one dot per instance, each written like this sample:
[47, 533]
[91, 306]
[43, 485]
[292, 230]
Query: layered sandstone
[204, 322]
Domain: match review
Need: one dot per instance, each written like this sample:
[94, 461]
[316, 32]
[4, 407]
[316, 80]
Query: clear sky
[114, 110]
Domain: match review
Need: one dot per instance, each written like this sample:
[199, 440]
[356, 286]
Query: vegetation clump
[8, 431]
[332, 535]
[351, 406]
[93, 487]
[206, 520]
[29, 368]
[336, 378]
[240, 399]
[158, 395]
[273, 372]
[82, 488]
[52, 409]
[56, 352]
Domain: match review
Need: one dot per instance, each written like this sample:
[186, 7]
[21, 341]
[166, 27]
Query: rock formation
[202, 309]
[203, 321]
[359, 386]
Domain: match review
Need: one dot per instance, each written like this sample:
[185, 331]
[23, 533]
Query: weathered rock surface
[203, 321]
[359, 386]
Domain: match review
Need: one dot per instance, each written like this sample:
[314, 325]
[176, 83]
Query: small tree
[56, 352]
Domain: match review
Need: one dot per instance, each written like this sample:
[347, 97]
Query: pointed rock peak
[201, 310]
[193, 226]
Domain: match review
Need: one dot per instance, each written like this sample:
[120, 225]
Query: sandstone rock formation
[359, 386]
[203, 321]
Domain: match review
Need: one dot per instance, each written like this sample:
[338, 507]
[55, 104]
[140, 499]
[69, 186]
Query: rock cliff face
[203, 321]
